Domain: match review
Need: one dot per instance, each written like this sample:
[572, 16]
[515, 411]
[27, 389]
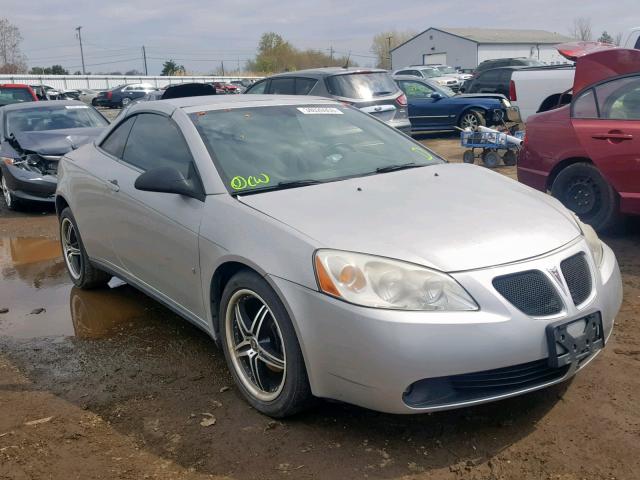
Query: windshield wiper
[402, 166]
[282, 186]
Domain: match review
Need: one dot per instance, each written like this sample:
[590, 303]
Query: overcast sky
[200, 34]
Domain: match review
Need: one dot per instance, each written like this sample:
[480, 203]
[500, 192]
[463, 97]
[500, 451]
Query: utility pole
[389, 51]
[331, 53]
[222, 62]
[84, 72]
[144, 58]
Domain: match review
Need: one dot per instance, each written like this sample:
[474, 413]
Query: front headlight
[595, 244]
[380, 282]
[593, 241]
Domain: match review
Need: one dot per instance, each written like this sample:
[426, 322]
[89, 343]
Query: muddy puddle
[42, 301]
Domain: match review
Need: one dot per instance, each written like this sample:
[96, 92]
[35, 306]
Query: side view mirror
[168, 180]
[436, 96]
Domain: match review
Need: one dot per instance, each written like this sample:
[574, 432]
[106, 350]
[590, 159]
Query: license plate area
[574, 340]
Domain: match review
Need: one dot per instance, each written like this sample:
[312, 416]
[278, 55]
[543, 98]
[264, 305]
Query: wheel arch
[482, 110]
[561, 166]
[61, 204]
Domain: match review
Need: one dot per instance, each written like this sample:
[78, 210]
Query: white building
[468, 47]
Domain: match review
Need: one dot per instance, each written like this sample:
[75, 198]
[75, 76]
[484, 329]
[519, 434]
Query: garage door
[428, 58]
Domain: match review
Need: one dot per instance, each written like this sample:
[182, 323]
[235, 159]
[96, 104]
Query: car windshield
[266, 148]
[52, 118]
[431, 72]
[445, 69]
[361, 86]
[14, 95]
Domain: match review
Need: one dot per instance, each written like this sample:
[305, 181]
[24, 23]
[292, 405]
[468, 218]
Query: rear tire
[491, 159]
[582, 188]
[468, 156]
[509, 158]
[254, 327]
[82, 272]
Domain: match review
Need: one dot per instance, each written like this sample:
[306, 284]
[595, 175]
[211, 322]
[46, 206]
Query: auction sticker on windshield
[320, 110]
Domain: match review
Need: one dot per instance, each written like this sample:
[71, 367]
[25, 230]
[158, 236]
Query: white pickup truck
[538, 89]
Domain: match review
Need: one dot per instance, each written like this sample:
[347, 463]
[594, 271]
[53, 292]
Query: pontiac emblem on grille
[555, 273]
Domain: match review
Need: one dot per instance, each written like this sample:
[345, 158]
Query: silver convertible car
[331, 256]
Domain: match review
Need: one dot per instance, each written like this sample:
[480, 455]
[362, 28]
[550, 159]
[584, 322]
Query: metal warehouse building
[467, 47]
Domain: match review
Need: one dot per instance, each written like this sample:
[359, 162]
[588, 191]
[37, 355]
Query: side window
[416, 89]
[620, 99]
[585, 106]
[258, 88]
[117, 139]
[155, 141]
[282, 86]
[304, 85]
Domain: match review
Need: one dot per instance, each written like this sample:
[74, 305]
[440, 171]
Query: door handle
[113, 185]
[612, 136]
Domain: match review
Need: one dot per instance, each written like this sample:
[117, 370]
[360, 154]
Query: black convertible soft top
[188, 90]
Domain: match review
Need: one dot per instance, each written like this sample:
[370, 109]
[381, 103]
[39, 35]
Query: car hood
[494, 96]
[451, 217]
[56, 142]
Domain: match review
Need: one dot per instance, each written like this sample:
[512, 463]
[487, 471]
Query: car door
[155, 235]
[424, 111]
[606, 119]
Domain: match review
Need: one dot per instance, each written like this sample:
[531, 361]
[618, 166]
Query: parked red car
[587, 153]
[223, 87]
[15, 93]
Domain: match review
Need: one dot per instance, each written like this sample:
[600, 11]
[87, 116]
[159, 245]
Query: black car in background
[33, 138]
[496, 80]
[122, 95]
[507, 62]
[371, 90]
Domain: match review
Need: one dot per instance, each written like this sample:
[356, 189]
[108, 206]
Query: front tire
[261, 347]
[471, 119]
[82, 272]
[582, 188]
[9, 198]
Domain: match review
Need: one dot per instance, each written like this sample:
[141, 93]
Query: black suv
[372, 90]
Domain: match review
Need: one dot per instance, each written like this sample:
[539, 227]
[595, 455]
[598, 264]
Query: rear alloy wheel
[261, 347]
[125, 101]
[491, 159]
[582, 188]
[9, 199]
[472, 119]
[82, 272]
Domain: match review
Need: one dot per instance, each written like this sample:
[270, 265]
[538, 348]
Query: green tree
[383, 42]
[275, 54]
[170, 68]
[605, 38]
[52, 70]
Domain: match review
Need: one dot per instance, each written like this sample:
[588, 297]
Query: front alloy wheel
[8, 196]
[71, 248]
[261, 346]
[471, 119]
[257, 346]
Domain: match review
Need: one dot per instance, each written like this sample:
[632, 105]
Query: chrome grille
[530, 292]
[576, 273]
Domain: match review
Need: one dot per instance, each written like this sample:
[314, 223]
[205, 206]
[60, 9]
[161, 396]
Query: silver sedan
[331, 256]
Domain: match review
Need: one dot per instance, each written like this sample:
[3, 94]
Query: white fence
[102, 82]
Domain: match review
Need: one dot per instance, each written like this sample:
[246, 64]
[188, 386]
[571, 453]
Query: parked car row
[358, 293]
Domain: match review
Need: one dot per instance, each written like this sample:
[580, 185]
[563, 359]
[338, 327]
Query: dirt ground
[109, 384]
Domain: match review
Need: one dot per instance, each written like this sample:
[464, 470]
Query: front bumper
[370, 357]
[28, 185]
